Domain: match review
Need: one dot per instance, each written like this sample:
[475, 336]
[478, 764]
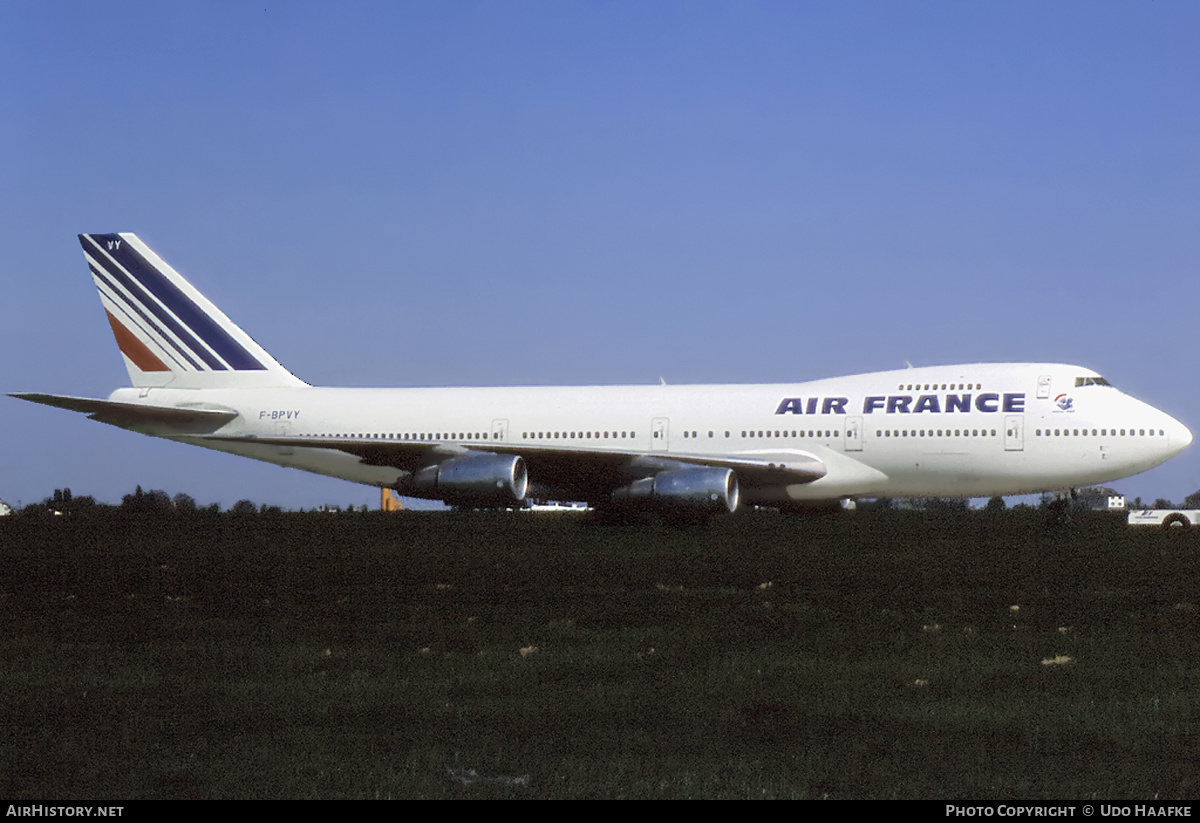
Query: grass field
[874, 655]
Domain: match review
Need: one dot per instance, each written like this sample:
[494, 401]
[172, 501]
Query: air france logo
[1065, 403]
[987, 402]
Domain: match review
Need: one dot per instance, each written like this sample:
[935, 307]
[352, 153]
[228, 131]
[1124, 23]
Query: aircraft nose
[1183, 437]
[1179, 436]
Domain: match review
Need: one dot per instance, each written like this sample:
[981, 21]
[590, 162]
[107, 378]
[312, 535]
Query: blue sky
[551, 192]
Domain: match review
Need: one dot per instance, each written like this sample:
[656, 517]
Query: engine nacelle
[698, 488]
[473, 479]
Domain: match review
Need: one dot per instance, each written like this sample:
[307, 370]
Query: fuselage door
[1043, 392]
[659, 430]
[500, 430]
[853, 434]
[1014, 432]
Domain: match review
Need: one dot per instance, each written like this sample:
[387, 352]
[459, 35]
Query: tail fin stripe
[116, 300]
[187, 311]
[139, 294]
[134, 304]
[133, 348]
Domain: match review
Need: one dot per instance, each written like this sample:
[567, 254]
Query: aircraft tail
[169, 333]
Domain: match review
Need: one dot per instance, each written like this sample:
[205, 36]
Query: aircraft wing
[576, 470]
[404, 455]
[161, 421]
[765, 468]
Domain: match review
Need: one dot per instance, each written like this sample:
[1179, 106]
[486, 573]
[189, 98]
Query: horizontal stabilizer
[156, 420]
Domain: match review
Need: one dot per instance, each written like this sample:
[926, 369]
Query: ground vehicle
[1165, 518]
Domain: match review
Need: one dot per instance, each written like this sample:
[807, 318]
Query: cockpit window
[1091, 381]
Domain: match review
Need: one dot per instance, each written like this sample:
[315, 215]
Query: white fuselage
[964, 431]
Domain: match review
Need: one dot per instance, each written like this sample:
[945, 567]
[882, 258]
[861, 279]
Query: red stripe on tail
[133, 348]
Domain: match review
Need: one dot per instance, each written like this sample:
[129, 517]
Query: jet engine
[473, 479]
[699, 488]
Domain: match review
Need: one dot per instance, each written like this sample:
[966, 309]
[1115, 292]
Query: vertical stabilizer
[169, 333]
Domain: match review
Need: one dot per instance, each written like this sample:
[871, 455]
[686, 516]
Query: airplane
[974, 430]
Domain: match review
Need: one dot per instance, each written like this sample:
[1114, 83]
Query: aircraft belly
[319, 461]
[952, 474]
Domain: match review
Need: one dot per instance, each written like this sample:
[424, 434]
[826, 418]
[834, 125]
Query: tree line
[154, 502]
